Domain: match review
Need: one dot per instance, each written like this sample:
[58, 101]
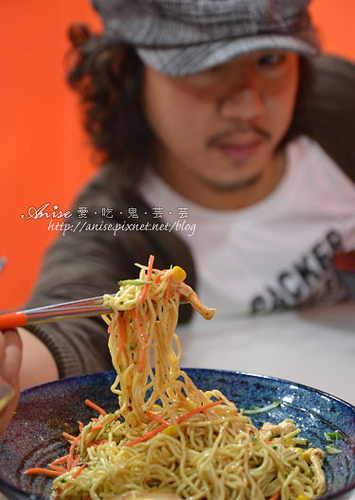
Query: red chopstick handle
[12, 320]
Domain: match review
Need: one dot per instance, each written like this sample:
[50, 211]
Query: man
[196, 108]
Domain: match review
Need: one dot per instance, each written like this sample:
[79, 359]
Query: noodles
[169, 435]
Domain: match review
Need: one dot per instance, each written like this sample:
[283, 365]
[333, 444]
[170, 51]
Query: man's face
[218, 130]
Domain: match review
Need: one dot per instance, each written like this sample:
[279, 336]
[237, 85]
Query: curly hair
[109, 80]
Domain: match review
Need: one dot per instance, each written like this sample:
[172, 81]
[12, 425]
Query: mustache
[238, 128]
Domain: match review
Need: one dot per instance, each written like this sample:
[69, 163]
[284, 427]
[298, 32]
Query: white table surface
[315, 347]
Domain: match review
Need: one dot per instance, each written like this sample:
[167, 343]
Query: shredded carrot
[148, 277]
[71, 453]
[76, 461]
[180, 419]
[97, 427]
[71, 458]
[65, 488]
[42, 471]
[275, 496]
[148, 435]
[58, 468]
[60, 460]
[103, 441]
[157, 418]
[122, 330]
[199, 409]
[68, 436]
[79, 471]
[141, 334]
[95, 407]
[95, 444]
[167, 293]
[159, 277]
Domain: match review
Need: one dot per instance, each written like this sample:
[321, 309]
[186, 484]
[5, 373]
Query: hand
[10, 362]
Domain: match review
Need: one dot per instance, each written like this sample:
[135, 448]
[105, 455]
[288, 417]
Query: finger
[7, 411]
[10, 361]
[2, 345]
[12, 356]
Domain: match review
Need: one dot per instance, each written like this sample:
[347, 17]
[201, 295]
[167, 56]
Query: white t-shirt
[272, 255]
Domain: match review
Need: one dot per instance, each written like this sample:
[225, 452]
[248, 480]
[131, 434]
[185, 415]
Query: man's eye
[271, 59]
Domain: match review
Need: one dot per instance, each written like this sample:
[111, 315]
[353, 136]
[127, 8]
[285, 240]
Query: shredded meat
[317, 457]
[188, 295]
[268, 430]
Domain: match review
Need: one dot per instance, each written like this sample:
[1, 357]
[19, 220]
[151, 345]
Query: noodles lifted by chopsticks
[169, 435]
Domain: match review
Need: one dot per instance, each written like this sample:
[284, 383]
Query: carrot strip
[95, 407]
[97, 443]
[141, 334]
[275, 496]
[199, 409]
[96, 427]
[58, 468]
[71, 453]
[159, 277]
[68, 436]
[157, 418]
[167, 293]
[180, 419]
[79, 471]
[42, 471]
[65, 488]
[122, 330]
[71, 458]
[60, 460]
[149, 275]
[148, 435]
[76, 461]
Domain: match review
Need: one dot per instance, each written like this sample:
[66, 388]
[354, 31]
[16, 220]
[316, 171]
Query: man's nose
[242, 99]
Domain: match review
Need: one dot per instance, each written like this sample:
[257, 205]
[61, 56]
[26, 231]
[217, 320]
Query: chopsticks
[56, 312]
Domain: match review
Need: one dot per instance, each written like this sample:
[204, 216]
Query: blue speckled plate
[34, 436]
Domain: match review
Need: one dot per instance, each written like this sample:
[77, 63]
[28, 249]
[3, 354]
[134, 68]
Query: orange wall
[44, 156]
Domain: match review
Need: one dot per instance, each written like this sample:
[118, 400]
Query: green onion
[134, 282]
[331, 450]
[256, 409]
[331, 436]
[301, 441]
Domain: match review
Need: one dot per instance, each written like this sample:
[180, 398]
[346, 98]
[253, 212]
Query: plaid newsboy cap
[181, 37]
